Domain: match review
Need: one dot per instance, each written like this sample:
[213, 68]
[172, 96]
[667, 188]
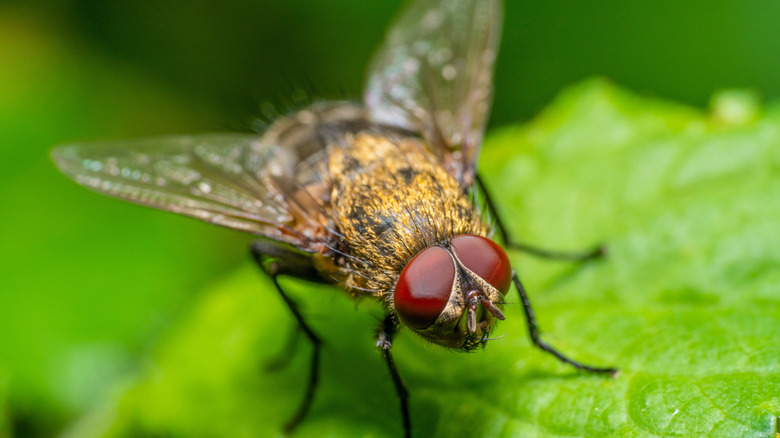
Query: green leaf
[686, 303]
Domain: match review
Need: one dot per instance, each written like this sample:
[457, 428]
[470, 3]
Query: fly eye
[485, 258]
[424, 287]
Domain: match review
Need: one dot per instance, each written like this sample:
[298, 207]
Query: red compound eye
[485, 258]
[424, 287]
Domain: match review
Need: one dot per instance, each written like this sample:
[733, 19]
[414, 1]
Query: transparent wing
[218, 178]
[434, 75]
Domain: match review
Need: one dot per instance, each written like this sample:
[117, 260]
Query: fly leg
[277, 260]
[384, 341]
[576, 256]
[533, 331]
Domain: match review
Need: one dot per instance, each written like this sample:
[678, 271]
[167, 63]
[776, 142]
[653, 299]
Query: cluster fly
[376, 197]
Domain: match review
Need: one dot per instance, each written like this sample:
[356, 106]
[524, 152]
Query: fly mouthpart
[474, 298]
[472, 318]
[491, 307]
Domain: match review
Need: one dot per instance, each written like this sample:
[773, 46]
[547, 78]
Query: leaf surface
[686, 303]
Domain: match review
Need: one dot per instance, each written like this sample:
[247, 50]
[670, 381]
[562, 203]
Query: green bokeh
[88, 284]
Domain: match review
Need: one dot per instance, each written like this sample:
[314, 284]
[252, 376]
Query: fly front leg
[576, 256]
[384, 342]
[276, 260]
[533, 331]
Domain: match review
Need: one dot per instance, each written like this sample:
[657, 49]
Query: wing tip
[63, 156]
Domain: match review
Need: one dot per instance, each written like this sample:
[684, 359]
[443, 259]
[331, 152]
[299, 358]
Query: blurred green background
[87, 283]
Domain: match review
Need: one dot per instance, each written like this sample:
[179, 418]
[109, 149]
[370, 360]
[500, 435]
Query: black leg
[597, 252]
[275, 265]
[593, 253]
[384, 341]
[533, 330]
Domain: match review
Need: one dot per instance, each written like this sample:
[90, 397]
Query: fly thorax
[392, 201]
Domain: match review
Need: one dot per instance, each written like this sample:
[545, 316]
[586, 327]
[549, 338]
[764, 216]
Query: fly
[376, 197]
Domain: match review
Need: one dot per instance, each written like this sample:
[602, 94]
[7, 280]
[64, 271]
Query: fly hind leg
[593, 253]
[277, 259]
